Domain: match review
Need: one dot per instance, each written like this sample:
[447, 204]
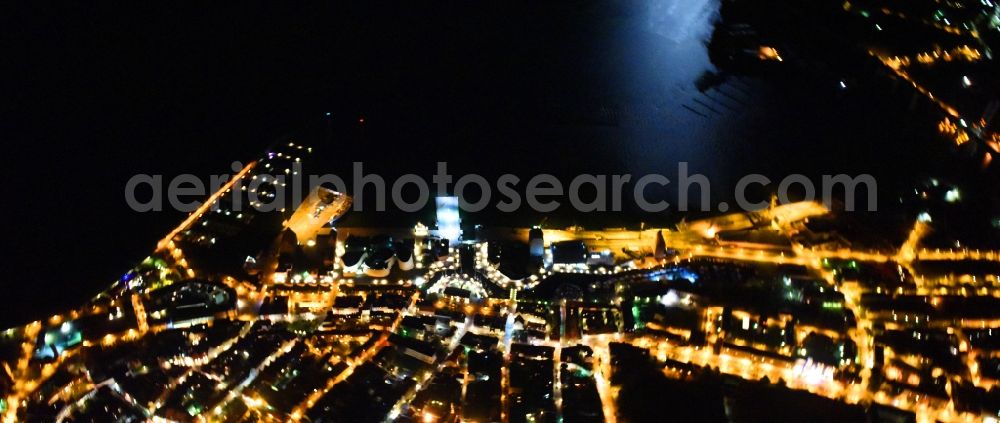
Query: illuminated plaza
[374, 295]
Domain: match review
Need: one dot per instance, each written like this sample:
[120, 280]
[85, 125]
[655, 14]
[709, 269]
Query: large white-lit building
[449, 224]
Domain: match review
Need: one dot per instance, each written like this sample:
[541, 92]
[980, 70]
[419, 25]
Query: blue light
[449, 223]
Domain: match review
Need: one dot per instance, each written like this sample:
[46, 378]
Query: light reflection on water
[683, 20]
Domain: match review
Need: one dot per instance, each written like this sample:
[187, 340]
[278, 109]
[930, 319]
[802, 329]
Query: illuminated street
[540, 212]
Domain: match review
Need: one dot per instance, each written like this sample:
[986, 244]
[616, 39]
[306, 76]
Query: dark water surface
[100, 94]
